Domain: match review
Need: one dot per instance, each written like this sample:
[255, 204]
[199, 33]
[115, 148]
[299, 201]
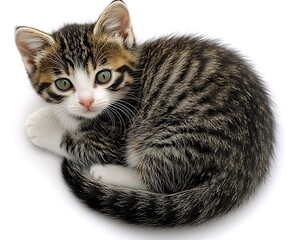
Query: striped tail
[193, 206]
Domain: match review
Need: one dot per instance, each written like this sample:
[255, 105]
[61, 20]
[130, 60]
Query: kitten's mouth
[90, 112]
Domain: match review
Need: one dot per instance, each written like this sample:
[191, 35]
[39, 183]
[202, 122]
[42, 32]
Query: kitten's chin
[87, 114]
[84, 113]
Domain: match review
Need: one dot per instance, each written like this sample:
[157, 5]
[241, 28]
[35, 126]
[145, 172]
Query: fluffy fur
[173, 131]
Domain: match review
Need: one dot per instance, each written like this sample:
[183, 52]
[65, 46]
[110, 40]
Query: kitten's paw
[42, 129]
[117, 176]
[36, 127]
[104, 173]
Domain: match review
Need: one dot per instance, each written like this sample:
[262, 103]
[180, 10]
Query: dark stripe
[202, 85]
[181, 97]
[203, 64]
[170, 215]
[153, 97]
[56, 97]
[205, 99]
[42, 87]
[62, 50]
[189, 144]
[154, 69]
[67, 63]
[103, 61]
[48, 100]
[149, 207]
[86, 42]
[129, 85]
[170, 90]
[57, 71]
[165, 55]
[93, 60]
[66, 143]
[70, 63]
[201, 147]
[128, 207]
[132, 63]
[117, 83]
[193, 215]
[197, 131]
[192, 112]
[124, 69]
[211, 112]
[182, 77]
[169, 107]
[209, 91]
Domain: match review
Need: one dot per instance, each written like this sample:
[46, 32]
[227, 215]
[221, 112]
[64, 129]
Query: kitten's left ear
[115, 21]
[30, 42]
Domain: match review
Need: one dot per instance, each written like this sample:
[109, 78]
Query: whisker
[112, 118]
[119, 116]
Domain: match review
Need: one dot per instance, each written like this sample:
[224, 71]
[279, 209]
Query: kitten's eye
[103, 76]
[63, 84]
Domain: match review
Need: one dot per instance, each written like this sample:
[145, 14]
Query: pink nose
[87, 103]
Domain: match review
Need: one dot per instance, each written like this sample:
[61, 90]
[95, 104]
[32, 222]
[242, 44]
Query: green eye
[103, 76]
[63, 84]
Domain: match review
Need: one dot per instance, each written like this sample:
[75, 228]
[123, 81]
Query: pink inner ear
[26, 52]
[125, 29]
[124, 26]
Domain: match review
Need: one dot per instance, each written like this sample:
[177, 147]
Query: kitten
[173, 131]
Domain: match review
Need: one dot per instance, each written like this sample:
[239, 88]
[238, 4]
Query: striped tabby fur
[191, 119]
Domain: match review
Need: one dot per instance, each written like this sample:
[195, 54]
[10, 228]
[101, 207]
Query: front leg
[94, 142]
[45, 131]
[85, 145]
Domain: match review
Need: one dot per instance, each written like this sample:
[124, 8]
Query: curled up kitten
[177, 130]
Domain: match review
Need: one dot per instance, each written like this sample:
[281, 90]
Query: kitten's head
[83, 69]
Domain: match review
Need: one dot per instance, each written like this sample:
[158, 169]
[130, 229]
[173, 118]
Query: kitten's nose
[86, 99]
[87, 102]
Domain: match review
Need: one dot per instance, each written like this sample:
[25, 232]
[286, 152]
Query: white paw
[43, 130]
[104, 173]
[36, 127]
[117, 176]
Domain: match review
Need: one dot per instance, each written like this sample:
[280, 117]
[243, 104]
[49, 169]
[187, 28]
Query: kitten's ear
[30, 42]
[115, 21]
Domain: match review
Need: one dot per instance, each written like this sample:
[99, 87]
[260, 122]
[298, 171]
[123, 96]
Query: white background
[34, 200]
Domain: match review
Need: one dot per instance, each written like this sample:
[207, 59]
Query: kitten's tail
[192, 206]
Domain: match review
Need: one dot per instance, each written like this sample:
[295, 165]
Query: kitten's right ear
[30, 42]
[115, 21]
